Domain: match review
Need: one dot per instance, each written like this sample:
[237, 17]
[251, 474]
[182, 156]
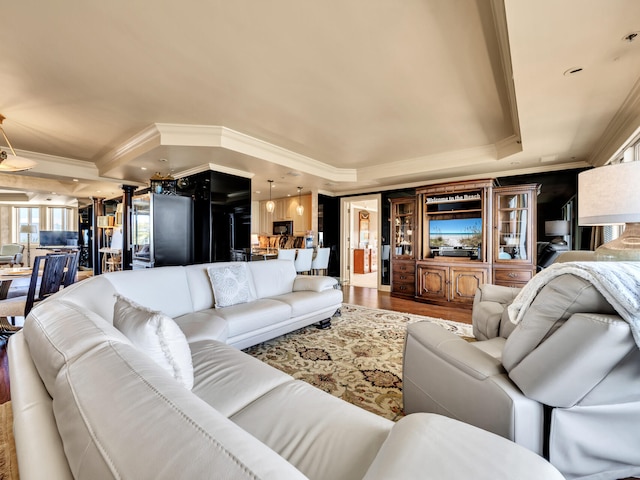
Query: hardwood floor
[370, 297]
[367, 297]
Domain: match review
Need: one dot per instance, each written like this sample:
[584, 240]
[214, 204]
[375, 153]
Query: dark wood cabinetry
[457, 236]
[514, 236]
[403, 243]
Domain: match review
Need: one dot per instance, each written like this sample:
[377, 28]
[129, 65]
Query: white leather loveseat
[146, 401]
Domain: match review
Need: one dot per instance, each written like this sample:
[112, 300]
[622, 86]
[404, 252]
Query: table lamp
[610, 195]
[29, 230]
[557, 229]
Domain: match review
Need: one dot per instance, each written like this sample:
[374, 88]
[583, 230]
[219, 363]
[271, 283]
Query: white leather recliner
[564, 382]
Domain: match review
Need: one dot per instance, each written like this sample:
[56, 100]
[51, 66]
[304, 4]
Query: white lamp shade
[556, 228]
[609, 195]
[28, 229]
[270, 206]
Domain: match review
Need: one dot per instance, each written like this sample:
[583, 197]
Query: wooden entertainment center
[453, 237]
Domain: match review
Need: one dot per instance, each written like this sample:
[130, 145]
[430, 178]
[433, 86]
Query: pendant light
[12, 162]
[300, 208]
[270, 205]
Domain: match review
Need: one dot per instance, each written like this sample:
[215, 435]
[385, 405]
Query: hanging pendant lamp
[300, 208]
[270, 204]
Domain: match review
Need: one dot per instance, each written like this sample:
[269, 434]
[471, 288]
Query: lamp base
[625, 248]
[558, 241]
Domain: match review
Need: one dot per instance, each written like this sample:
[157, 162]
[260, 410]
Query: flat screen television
[455, 233]
[58, 238]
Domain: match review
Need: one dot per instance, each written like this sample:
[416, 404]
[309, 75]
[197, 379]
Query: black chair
[548, 252]
[72, 268]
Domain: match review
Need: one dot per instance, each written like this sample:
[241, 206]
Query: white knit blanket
[618, 282]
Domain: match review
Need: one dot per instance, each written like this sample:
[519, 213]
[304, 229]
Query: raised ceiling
[339, 97]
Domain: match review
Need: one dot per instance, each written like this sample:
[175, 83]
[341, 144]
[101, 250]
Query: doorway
[360, 233]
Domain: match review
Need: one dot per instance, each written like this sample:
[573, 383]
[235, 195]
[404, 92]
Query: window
[27, 216]
[58, 219]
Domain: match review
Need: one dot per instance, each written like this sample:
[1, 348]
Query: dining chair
[45, 283]
[303, 260]
[71, 270]
[287, 254]
[321, 261]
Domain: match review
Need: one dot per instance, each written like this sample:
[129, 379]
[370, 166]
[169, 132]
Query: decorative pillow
[157, 335]
[231, 284]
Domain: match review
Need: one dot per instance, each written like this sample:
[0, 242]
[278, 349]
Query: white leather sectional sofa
[151, 400]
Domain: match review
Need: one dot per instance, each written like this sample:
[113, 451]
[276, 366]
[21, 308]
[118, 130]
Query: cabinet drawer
[404, 277]
[404, 267]
[512, 276]
[404, 288]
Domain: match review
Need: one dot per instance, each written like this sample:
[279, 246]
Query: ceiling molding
[502, 33]
[169, 134]
[429, 163]
[216, 168]
[620, 130]
[508, 146]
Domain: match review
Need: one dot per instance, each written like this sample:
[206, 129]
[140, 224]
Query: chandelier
[11, 162]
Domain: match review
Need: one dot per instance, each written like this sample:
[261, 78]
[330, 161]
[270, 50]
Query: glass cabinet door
[513, 220]
[403, 225]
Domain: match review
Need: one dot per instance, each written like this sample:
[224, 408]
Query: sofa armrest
[459, 353]
[315, 283]
[488, 306]
[447, 448]
[574, 360]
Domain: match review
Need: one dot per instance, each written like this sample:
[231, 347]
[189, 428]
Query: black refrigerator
[161, 230]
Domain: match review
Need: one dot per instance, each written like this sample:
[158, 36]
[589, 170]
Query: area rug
[359, 359]
[8, 460]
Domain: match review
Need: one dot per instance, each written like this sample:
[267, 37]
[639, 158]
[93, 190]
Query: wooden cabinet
[403, 242]
[361, 260]
[364, 260]
[514, 236]
[403, 277]
[455, 250]
[441, 283]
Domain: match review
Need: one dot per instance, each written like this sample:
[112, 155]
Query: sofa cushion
[203, 325]
[156, 335]
[231, 284]
[58, 331]
[308, 302]
[164, 289]
[314, 283]
[321, 435]
[253, 316]
[228, 379]
[121, 416]
[273, 277]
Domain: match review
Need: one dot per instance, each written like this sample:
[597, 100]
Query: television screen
[58, 238]
[462, 233]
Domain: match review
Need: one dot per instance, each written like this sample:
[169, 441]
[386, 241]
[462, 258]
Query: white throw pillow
[231, 284]
[157, 335]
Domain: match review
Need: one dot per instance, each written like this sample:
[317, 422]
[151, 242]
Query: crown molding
[429, 163]
[171, 134]
[620, 130]
[216, 168]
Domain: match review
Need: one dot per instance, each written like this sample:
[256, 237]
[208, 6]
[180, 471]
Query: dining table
[9, 275]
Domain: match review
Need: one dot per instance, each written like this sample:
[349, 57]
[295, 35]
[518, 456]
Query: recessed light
[75, 179]
[143, 168]
[572, 71]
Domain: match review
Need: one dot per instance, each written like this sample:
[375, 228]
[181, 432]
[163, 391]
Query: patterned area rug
[358, 359]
